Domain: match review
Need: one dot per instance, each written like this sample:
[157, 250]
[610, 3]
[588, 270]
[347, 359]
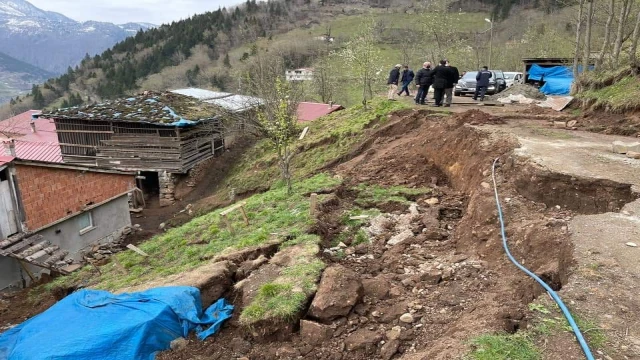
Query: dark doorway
[149, 183]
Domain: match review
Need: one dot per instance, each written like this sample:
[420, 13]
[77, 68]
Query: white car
[513, 78]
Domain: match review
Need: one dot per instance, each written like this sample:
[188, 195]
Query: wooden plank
[304, 133]
[233, 208]
[22, 244]
[313, 204]
[137, 249]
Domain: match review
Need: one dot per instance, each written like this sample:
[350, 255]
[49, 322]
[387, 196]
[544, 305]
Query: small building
[51, 214]
[309, 111]
[302, 74]
[158, 135]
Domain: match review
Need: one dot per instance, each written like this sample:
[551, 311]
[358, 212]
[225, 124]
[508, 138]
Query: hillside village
[253, 183]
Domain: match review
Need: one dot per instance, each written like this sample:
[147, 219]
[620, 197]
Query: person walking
[424, 79]
[392, 82]
[452, 80]
[406, 79]
[441, 78]
[482, 83]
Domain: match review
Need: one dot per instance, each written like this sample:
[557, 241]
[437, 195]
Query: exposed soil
[612, 124]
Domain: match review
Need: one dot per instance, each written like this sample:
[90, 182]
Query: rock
[392, 313]
[179, 344]
[362, 249]
[339, 291]
[162, 226]
[633, 155]
[250, 265]
[459, 258]
[363, 339]
[560, 124]
[376, 288]
[631, 244]
[407, 318]
[433, 201]
[137, 226]
[485, 185]
[413, 209]
[389, 349]
[431, 277]
[620, 147]
[400, 238]
[342, 245]
[394, 333]
[127, 230]
[313, 333]
[287, 352]
[430, 219]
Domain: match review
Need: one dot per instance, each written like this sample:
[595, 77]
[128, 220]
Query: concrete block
[620, 147]
[633, 155]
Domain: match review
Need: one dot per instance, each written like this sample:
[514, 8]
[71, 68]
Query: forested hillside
[219, 49]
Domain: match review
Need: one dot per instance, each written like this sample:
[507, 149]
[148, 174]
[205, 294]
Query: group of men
[443, 78]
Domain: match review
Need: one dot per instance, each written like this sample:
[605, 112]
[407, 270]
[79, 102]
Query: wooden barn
[157, 134]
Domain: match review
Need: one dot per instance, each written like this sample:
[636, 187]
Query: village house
[157, 135]
[302, 74]
[52, 213]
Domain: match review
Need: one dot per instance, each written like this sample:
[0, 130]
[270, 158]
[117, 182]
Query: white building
[303, 74]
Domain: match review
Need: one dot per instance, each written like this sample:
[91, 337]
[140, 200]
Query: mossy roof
[164, 108]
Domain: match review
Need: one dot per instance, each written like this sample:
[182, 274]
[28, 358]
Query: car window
[471, 75]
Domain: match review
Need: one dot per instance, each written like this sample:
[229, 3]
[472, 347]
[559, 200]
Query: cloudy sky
[122, 11]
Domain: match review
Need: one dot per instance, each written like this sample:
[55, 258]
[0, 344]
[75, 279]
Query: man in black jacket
[453, 77]
[392, 82]
[424, 79]
[406, 79]
[482, 83]
[441, 78]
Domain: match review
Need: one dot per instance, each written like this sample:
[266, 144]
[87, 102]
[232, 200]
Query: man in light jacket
[392, 82]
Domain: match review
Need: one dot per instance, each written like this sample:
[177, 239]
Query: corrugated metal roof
[308, 111]
[5, 159]
[227, 101]
[41, 145]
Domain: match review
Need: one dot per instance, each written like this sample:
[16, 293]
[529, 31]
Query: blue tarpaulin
[558, 79]
[98, 325]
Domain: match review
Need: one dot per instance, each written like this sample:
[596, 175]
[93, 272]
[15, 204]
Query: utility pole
[490, 39]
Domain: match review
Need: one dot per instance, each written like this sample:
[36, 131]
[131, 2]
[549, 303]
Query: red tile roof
[41, 145]
[308, 111]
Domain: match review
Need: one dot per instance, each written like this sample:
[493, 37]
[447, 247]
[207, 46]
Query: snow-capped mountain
[52, 41]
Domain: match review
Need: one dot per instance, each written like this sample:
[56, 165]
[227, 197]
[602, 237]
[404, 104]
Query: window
[85, 222]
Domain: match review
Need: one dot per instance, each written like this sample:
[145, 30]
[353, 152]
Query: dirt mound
[611, 124]
[520, 89]
[474, 117]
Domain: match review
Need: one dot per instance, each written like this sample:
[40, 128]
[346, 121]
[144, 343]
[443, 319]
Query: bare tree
[634, 43]
[277, 119]
[362, 56]
[587, 39]
[576, 56]
[607, 34]
[622, 19]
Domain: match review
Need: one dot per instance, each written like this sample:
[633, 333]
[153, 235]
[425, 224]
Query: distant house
[308, 111]
[51, 213]
[303, 74]
[158, 135]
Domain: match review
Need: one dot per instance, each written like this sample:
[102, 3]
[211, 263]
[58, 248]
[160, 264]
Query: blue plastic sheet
[558, 79]
[98, 325]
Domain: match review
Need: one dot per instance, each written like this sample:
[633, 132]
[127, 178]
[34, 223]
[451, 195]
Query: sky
[123, 11]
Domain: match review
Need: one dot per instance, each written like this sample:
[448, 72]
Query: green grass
[504, 347]
[328, 139]
[563, 135]
[284, 298]
[272, 215]
[623, 95]
[550, 322]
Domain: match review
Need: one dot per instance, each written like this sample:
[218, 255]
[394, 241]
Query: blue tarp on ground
[558, 79]
[98, 325]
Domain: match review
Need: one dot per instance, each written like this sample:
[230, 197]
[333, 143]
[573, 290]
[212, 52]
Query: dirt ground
[569, 207]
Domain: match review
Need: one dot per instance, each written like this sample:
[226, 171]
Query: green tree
[227, 61]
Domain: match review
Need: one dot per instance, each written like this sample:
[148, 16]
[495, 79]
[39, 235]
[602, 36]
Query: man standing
[394, 77]
[407, 78]
[424, 79]
[482, 83]
[441, 78]
[453, 77]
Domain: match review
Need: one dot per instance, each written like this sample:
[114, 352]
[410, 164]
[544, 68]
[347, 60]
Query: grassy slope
[616, 90]
[272, 215]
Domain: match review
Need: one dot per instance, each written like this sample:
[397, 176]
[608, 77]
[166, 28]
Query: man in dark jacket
[406, 79]
[441, 78]
[452, 80]
[482, 83]
[424, 79]
[392, 82]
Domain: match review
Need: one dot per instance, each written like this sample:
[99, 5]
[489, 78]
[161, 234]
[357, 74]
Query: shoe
[436, 105]
[423, 103]
[474, 99]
